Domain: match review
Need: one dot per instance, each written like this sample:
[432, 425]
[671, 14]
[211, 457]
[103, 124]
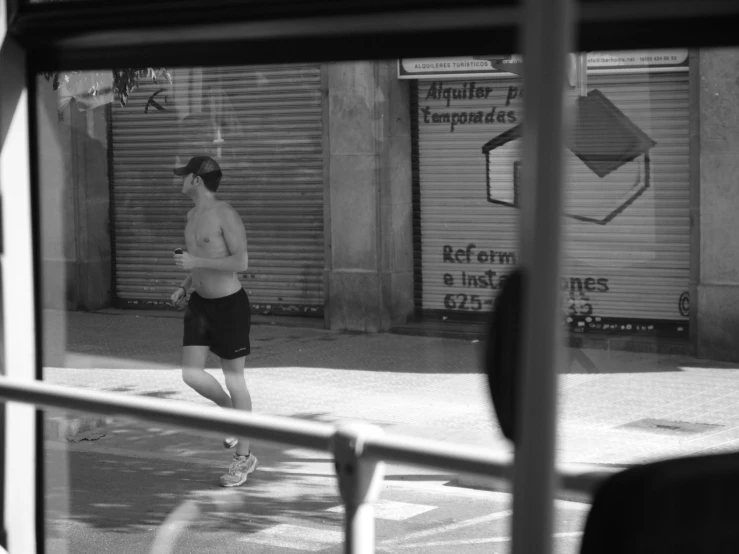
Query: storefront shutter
[264, 126]
[626, 264]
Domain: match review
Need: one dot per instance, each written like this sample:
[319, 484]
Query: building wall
[369, 268]
[73, 173]
[369, 212]
[92, 232]
[370, 263]
[718, 287]
[57, 201]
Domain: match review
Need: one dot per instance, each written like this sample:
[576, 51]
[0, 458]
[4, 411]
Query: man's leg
[244, 462]
[195, 376]
[233, 373]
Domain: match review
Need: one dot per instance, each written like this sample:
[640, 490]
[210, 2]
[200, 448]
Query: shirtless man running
[218, 316]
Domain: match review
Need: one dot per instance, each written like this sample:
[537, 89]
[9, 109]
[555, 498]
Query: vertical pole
[4, 17]
[360, 481]
[547, 43]
[18, 297]
[582, 74]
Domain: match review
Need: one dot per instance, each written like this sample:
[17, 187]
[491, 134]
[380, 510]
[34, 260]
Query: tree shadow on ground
[130, 495]
[160, 394]
[130, 481]
[121, 498]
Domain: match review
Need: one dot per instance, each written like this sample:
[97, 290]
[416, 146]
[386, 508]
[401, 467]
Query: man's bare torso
[204, 238]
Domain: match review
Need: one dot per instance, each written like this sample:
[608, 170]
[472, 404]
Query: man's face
[189, 183]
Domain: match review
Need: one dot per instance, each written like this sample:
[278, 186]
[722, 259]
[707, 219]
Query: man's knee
[234, 379]
[191, 376]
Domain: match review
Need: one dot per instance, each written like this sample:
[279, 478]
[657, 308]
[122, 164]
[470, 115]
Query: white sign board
[461, 67]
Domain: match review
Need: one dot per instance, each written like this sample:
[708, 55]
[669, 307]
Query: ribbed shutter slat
[626, 261]
[271, 123]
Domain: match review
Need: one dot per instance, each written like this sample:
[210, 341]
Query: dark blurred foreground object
[679, 506]
[502, 354]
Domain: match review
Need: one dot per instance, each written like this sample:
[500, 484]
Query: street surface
[116, 493]
[113, 488]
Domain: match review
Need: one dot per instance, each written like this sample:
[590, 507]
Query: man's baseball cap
[200, 166]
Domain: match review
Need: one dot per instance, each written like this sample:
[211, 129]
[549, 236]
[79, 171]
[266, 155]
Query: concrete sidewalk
[616, 408]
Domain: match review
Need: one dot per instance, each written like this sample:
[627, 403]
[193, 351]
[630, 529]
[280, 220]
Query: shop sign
[636, 60]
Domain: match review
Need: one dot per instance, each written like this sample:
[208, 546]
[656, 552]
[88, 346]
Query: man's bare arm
[235, 263]
[187, 282]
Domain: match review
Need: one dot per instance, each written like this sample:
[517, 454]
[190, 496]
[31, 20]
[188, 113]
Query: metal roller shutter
[626, 263]
[264, 126]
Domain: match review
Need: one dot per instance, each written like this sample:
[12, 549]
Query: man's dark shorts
[223, 324]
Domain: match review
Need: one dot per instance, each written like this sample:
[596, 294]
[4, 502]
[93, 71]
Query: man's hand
[185, 261]
[179, 298]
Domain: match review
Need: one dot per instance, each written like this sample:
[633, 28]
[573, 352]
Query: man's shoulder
[224, 208]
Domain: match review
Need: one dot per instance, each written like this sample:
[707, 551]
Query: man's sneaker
[238, 471]
[230, 442]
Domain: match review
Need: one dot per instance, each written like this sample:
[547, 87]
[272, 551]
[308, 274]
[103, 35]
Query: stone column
[57, 201]
[90, 169]
[370, 265]
[718, 287]
[73, 175]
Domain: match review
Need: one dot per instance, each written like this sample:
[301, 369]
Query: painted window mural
[626, 265]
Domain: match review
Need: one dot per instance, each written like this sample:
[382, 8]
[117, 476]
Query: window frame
[82, 34]
[93, 34]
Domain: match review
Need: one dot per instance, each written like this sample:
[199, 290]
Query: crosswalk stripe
[392, 511]
[307, 539]
[486, 540]
[451, 527]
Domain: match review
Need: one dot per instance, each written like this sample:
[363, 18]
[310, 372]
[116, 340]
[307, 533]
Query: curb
[443, 329]
[63, 427]
[494, 484]
[491, 484]
[256, 318]
[594, 341]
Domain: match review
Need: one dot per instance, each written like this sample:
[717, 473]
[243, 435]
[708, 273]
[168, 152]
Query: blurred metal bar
[4, 18]
[582, 73]
[306, 434]
[320, 436]
[360, 482]
[19, 340]
[68, 18]
[240, 38]
[430, 453]
[89, 34]
[8, 13]
[547, 43]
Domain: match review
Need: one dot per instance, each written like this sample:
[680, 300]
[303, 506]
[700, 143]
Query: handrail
[361, 445]
[308, 434]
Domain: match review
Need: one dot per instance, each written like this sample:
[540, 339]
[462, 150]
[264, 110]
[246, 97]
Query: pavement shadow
[381, 352]
[328, 417]
[124, 494]
[603, 362]
[132, 479]
[129, 495]
[377, 353]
